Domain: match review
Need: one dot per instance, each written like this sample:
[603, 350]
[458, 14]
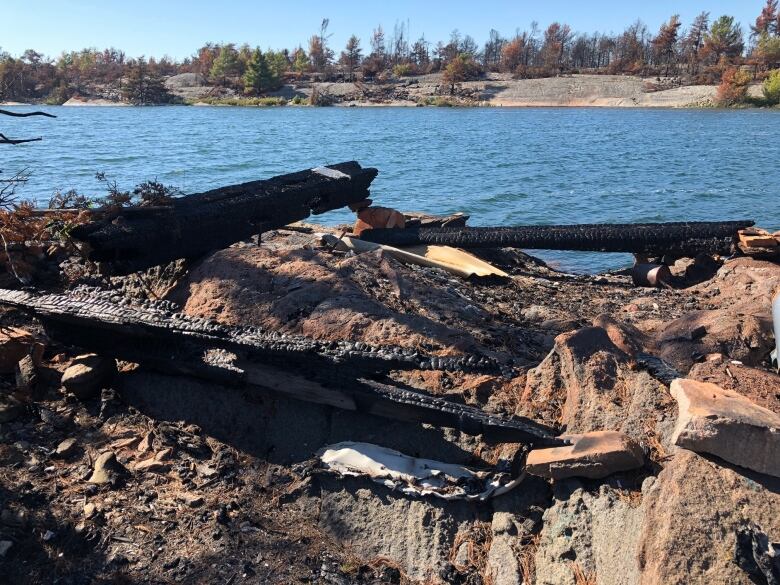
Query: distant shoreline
[592, 91]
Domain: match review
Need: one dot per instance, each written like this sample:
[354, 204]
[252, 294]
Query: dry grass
[631, 497]
[527, 558]
[657, 451]
[477, 539]
[378, 563]
[581, 577]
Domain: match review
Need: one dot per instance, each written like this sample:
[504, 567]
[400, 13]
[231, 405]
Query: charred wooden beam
[107, 321]
[195, 224]
[339, 374]
[680, 238]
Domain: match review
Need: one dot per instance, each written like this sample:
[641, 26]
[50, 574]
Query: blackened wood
[196, 224]
[339, 374]
[682, 238]
[107, 321]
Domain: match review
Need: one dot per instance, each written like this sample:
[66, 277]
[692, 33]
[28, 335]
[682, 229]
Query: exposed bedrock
[582, 352]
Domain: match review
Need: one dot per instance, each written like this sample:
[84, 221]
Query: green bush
[772, 87]
[403, 70]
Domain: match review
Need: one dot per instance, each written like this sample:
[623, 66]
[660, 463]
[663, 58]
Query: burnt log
[678, 238]
[339, 374]
[134, 239]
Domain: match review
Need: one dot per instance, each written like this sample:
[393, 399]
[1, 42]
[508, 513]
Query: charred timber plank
[195, 224]
[405, 404]
[105, 321]
[688, 238]
[332, 374]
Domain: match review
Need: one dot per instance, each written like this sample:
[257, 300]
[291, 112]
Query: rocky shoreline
[115, 473]
[495, 90]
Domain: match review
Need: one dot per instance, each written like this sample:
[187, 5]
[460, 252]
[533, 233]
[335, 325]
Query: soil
[221, 485]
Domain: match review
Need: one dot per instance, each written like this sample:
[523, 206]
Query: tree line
[700, 53]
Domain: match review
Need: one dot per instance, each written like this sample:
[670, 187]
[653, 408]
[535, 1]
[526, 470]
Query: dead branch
[6, 140]
[26, 114]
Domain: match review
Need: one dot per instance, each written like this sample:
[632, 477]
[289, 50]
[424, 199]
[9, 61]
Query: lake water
[500, 165]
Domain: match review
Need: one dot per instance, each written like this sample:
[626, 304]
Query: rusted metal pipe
[656, 275]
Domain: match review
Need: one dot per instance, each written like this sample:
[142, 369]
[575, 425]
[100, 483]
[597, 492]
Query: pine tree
[258, 76]
[144, 86]
[227, 64]
[665, 44]
[350, 56]
[724, 38]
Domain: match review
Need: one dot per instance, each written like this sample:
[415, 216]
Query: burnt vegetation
[700, 52]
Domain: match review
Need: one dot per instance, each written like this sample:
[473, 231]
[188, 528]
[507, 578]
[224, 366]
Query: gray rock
[10, 409]
[26, 374]
[502, 563]
[5, 546]
[66, 448]
[88, 374]
[600, 533]
[107, 470]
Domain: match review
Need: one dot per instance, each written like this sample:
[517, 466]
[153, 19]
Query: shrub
[771, 87]
[733, 87]
[403, 70]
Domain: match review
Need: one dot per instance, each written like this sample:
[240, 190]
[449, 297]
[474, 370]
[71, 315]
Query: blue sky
[177, 28]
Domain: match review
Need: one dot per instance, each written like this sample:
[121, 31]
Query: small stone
[65, 448]
[10, 409]
[163, 454]
[26, 374]
[5, 546]
[191, 500]
[48, 535]
[726, 424]
[206, 471]
[593, 455]
[151, 465]
[88, 374]
[90, 510]
[107, 469]
[129, 442]
[146, 443]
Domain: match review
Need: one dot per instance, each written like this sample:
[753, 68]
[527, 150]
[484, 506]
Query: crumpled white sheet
[414, 476]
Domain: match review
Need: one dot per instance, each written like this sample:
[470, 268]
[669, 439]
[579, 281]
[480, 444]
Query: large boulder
[726, 424]
[587, 383]
[692, 514]
[735, 320]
